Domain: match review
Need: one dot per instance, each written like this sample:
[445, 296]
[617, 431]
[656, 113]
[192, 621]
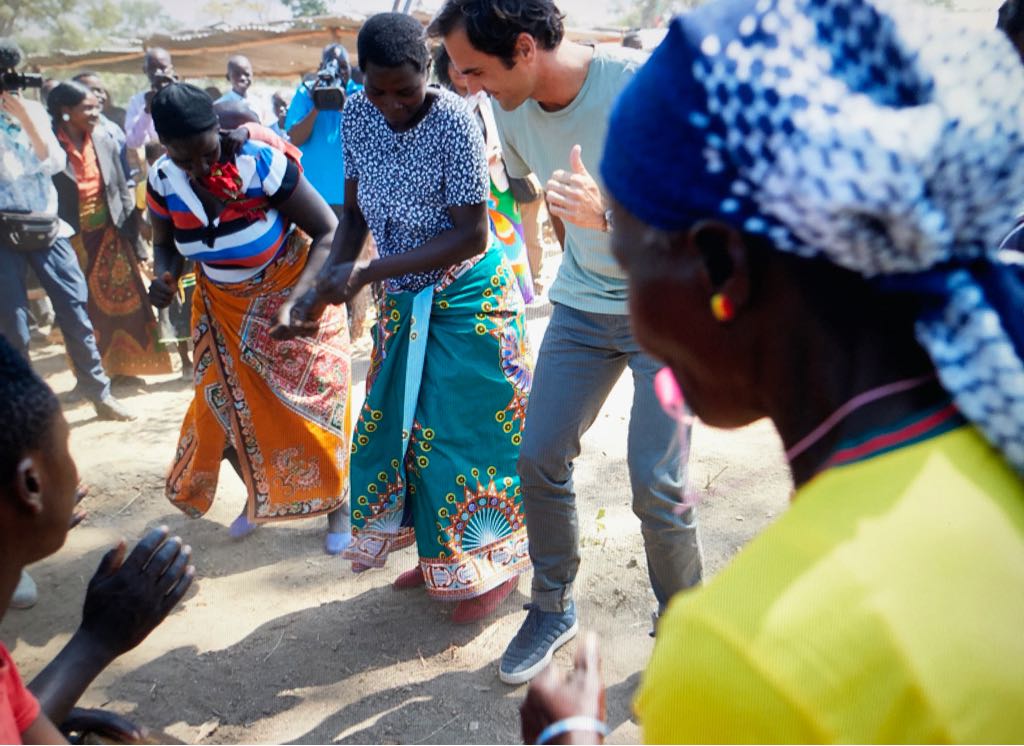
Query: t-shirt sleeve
[278, 174]
[465, 178]
[300, 106]
[156, 198]
[350, 121]
[514, 163]
[24, 707]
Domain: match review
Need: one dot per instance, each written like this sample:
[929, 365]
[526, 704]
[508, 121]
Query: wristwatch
[609, 225]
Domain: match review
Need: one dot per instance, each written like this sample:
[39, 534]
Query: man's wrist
[609, 221]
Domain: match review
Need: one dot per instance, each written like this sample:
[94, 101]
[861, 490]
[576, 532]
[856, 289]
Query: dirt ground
[277, 642]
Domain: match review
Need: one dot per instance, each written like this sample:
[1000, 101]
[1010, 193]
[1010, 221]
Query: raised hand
[574, 196]
[555, 695]
[128, 598]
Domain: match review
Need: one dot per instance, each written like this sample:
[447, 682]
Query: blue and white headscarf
[874, 134]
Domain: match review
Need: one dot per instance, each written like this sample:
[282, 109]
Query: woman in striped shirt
[277, 409]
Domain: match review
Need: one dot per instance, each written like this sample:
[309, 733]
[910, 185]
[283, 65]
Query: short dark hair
[493, 26]
[441, 62]
[1011, 17]
[68, 93]
[87, 74]
[27, 410]
[392, 40]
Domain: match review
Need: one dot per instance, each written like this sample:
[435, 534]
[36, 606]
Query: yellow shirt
[886, 605]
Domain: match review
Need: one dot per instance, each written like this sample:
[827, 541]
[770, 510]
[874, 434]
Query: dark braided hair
[27, 410]
[494, 26]
[392, 40]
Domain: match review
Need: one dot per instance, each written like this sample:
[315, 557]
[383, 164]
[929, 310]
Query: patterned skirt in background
[435, 447]
[122, 318]
[283, 406]
[507, 232]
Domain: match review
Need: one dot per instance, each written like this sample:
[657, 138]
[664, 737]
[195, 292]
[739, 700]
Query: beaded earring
[722, 308]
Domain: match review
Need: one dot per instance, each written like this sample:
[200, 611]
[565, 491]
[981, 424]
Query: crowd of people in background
[763, 219]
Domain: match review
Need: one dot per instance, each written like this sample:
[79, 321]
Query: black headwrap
[181, 110]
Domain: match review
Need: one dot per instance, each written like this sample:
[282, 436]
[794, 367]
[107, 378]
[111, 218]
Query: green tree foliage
[301, 8]
[44, 25]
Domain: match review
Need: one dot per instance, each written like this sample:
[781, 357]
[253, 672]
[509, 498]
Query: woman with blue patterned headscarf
[810, 200]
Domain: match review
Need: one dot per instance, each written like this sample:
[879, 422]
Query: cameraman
[32, 156]
[318, 133]
[138, 123]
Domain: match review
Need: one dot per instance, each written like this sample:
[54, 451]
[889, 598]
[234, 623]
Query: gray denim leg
[658, 465]
[14, 299]
[61, 276]
[576, 370]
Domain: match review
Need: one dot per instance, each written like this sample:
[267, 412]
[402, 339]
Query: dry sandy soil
[277, 642]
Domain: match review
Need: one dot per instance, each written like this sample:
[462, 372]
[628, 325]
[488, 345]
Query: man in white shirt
[138, 124]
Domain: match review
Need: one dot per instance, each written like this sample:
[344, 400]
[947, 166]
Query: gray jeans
[581, 358]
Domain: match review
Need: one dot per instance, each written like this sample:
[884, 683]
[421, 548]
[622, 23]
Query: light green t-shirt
[537, 141]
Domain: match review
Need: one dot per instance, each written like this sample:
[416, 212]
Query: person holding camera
[317, 129]
[32, 235]
[138, 121]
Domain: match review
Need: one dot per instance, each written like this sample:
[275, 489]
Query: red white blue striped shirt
[239, 248]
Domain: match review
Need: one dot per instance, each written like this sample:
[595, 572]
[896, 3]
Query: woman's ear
[726, 261]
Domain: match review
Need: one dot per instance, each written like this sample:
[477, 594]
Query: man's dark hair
[441, 62]
[494, 26]
[27, 410]
[392, 40]
[66, 94]
[87, 74]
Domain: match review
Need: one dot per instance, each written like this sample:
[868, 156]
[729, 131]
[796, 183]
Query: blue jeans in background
[61, 277]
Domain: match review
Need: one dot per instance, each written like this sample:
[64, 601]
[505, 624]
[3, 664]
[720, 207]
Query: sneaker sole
[521, 677]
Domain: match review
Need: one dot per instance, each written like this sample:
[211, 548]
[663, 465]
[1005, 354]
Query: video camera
[329, 87]
[10, 78]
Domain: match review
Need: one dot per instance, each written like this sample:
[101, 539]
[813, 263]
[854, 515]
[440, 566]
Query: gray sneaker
[26, 594]
[542, 633]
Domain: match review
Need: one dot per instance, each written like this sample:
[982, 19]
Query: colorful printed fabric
[118, 305]
[234, 249]
[436, 444]
[283, 406]
[507, 232]
[876, 135]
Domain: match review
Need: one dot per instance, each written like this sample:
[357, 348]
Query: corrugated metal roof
[279, 49]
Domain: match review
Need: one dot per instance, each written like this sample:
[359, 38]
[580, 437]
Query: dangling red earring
[722, 308]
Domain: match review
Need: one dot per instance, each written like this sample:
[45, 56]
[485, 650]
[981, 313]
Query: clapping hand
[556, 695]
[128, 598]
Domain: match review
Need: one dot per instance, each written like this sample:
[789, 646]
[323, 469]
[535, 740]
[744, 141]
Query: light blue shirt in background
[323, 155]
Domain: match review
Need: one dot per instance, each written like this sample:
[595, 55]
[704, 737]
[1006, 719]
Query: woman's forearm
[59, 686]
[451, 247]
[167, 259]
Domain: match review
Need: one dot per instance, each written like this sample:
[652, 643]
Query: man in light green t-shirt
[555, 97]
